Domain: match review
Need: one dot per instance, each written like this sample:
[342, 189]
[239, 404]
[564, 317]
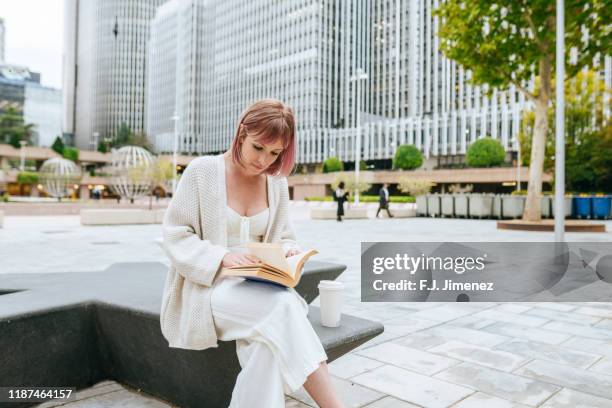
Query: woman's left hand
[291, 252]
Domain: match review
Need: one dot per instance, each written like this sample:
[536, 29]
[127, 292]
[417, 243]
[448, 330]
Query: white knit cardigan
[195, 240]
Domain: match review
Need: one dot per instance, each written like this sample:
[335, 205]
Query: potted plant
[418, 189]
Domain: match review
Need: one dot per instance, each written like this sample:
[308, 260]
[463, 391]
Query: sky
[34, 36]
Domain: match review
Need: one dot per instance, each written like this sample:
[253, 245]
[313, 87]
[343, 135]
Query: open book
[274, 267]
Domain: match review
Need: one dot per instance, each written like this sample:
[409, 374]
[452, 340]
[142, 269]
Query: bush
[27, 177]
[332, 164]
[71, 153]
[414, 187]
[5, 197]
[367, 199]
[407, 157]
[485, 152]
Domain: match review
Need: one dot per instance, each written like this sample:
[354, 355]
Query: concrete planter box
[462, 205]
[330, 213]
[512, 206]
[447, 201]
[567, 204]
[400, 211]
[481, 205]
[545, 205]
[433, 205]
[497, 206]
[421, 202]
[121, 216]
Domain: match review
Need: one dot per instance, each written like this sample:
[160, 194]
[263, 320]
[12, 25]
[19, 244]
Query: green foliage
[102, 147]
[5, 197]
[587, 135]
[27, 177]
[503, 42]
[363, 165]
[13, 129]
[71, 153]
[58, 145]
[123, 136]
[367, 199]
[126, 137]
[485, 152]
[332, 164]
[414, 187]
[407, 157]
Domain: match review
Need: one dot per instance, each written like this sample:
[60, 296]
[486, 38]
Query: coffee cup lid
[331, 285]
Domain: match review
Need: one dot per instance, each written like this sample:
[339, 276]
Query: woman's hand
[238, 259]
[291, 252]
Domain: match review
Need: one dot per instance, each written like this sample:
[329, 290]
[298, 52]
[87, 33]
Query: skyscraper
[304, 53]
[105, 44]
[2, 31]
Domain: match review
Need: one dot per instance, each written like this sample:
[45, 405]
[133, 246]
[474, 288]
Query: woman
[340, 196]
[222, 202]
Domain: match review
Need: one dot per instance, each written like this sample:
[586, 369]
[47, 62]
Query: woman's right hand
[238, 259]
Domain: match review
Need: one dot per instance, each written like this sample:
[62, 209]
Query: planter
[497, 206]
[567, 204]
[447, 201]
[120, 216]
[462, 205]
[1, 218]
[421, 202]
[601, 206]
[582, 207]
[481, 205]
[545, 205]
[513, 206]
[433, 205]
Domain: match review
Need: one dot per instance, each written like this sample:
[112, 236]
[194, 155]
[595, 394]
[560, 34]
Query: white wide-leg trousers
[276, 345]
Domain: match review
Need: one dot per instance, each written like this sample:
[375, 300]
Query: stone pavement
[431, 354]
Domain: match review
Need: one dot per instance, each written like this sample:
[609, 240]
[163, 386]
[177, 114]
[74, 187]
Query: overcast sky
[34, 30]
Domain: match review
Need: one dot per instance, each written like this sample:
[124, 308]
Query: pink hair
[268, 120]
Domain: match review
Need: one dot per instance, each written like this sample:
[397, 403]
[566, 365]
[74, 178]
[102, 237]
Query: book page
[296, 262]
[269, 253]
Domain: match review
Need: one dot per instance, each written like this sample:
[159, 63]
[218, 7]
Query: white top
[242, 229]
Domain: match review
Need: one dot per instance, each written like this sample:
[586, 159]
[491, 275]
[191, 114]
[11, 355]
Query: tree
[58, 145]
[407, 157]
[586, 133]
[414, 187]
[510, 42]
[123, 136]
[13, 129]
[485, 152]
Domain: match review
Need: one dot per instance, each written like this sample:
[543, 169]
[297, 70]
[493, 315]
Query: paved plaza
[430, 355]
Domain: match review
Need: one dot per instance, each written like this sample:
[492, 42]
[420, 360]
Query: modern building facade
[2, 40]
[105, 43]
[20, 89]
[305, 53]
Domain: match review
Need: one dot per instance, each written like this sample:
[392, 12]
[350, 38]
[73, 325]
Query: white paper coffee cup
[331, 299]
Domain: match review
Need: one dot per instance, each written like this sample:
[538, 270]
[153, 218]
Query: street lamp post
[358, 77]
[22, 154]
[175, 118]
[560, 127]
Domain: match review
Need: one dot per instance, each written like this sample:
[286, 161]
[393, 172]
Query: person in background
[340, 196]
[383, 200]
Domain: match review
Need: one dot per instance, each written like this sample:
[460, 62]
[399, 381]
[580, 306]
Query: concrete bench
[76, 329]
[121, 216]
